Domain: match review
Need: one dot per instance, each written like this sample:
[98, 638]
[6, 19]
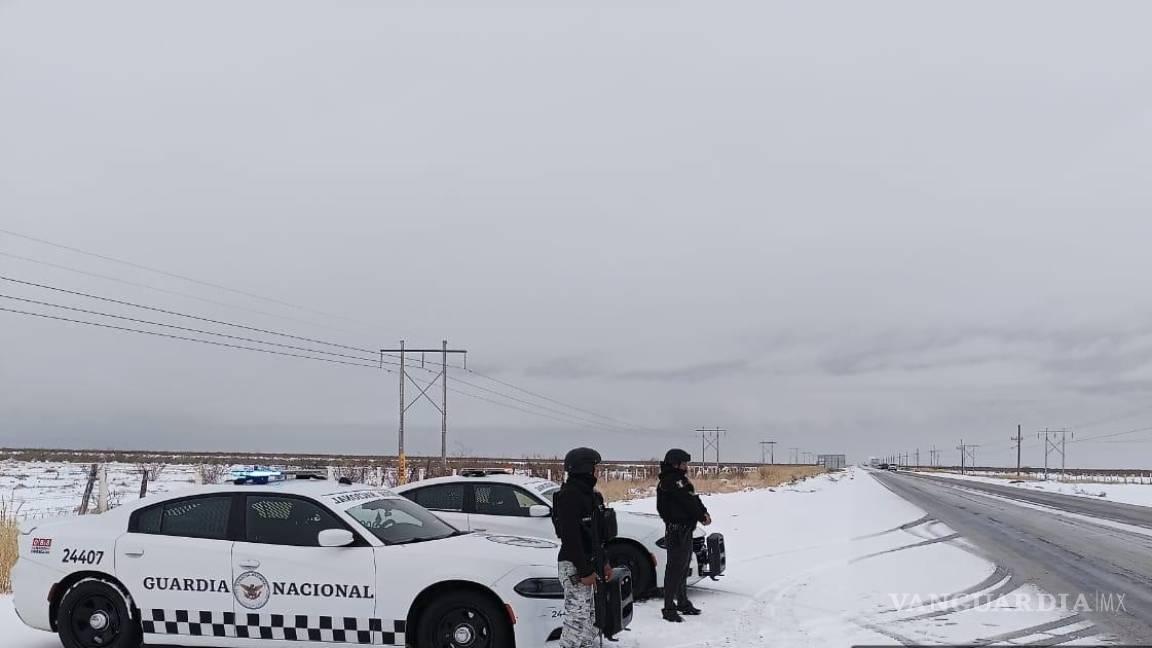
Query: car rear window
[198, 517]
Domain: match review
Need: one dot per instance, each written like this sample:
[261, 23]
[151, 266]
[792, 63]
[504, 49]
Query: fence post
[102, 489]
[84, 501]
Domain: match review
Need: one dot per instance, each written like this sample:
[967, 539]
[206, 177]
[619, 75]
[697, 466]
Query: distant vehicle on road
[280, 561]
[892, 467]
[500, 502]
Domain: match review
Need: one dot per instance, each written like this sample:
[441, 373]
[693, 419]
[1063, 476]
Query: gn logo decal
[251, 590]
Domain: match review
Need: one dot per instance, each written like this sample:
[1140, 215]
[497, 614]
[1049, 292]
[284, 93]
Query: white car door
[503, 508]
[289, 588]
[445, 500]
[176, 561]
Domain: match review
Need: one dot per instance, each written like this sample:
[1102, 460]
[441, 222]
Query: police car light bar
[256, 475]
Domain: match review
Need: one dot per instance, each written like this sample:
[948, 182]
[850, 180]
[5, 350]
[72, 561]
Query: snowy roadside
[840, 560]
[831, 561]
[1138, 494]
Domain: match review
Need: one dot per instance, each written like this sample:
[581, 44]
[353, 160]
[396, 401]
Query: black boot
[672, 615]
[689, 609]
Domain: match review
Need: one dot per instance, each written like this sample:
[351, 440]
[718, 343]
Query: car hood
[513, 550]
[636, 524]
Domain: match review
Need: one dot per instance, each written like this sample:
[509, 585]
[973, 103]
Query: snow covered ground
[47, 489]
[831, 561]
[1138, 494]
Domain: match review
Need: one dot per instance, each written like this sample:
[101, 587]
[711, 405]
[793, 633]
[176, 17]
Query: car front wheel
[464, 620]
[637, 562]
[94, 614]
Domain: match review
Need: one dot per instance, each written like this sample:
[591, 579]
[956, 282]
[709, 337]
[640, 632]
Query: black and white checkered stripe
[284, 627]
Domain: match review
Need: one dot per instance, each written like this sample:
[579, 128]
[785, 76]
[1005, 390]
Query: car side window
[196, 517]
[442, 497]
[286, 521]
[502, 499]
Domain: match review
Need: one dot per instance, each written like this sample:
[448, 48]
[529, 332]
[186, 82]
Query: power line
[578, 421]
[173, 275]
[558, 402]
[504, 383]
[543, 407]
[166, 291]
[187, 339]
[179, 314]
[520, 409]
[136, 320]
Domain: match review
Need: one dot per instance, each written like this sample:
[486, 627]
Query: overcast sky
[847, 227]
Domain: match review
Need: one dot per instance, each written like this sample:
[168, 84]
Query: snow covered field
[831, 561]
[1138, 494]
[46, 489]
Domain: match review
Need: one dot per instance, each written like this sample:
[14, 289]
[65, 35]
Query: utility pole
[1050, 445]
[1018, 439]
[967, 455]
[770, 446]
[422, 392]
[710, 438]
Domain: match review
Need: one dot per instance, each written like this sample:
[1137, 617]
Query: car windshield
[395, 520]
[548, 494]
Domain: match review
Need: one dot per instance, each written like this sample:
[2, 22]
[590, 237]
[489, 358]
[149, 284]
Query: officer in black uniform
[680, 508]
[577, 513]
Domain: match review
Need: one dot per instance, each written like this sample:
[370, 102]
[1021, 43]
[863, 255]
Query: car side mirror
[539, 510]
[336, 538]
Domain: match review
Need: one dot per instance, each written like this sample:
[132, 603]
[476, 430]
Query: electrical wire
[578, 422]
[561, 403]
[166, 291]
[179, 314]
[188, 339]
[217, 286]
[173, 275]
[137, 320]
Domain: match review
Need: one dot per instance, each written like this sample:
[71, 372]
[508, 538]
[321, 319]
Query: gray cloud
[894, 229]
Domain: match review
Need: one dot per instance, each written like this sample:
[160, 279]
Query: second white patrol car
[302, 562]
[498, 501]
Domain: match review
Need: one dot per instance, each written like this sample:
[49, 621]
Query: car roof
[306, 487]
[500, 478]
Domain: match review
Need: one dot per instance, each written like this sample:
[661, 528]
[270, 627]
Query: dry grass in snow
[765, 477]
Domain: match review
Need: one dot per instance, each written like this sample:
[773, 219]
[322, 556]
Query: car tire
[464, 620]
[95, 614]
[621, 554]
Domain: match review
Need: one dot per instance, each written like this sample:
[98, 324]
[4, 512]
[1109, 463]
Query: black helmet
[676, 456]
[581, 461]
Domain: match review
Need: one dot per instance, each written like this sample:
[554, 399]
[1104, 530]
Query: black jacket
[676, 498]
[576, 512]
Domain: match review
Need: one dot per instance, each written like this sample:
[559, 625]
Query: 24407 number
[83, 557]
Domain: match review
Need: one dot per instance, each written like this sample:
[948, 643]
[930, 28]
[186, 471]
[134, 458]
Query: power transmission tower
[422, 392]
[710, 438]
[934, 457]
[967, 455]
[770, 446]
[1051, 445]
[917, 457]
[794, 455]
[1018, 439]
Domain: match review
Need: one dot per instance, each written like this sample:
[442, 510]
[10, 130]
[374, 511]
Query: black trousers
[678, 543]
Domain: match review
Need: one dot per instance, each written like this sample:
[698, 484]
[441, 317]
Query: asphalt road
[1060, 554]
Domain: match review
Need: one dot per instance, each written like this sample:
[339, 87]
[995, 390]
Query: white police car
[305, 562]
[497, 501]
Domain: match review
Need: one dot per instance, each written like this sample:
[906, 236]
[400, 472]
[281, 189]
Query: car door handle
[249, 564]
[134, 552]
